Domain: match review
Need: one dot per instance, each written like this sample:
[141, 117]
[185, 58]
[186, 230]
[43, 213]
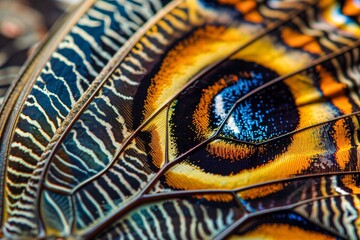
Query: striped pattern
[325, 40]
[177, 21]
[120, 89]
[312, 108]
[85, 132]
[218, 118]
[173, 219]
[338, 213]
[90, 44]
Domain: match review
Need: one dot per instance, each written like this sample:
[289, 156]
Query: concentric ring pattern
[189, 119]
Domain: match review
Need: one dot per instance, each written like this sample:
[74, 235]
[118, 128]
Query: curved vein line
[191, 81]
[345, 116]
[185, 193]
[281, 78]
[123, 52]
[236, 224]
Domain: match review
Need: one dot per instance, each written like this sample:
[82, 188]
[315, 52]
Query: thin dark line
[114, 216]
[311, 126]
[163, 196]
[280, 78]
[237, 200]
[181, 155]
[184, 193]
[151, 198]
[140, 34]
[342, 117]
[204, 71]
[295, 178]
[236, 140]
[233, 227]
[16, 99]
[142, 197]
[137, 201]
[171, 164]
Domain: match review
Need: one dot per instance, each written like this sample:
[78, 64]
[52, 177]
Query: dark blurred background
[23, 24]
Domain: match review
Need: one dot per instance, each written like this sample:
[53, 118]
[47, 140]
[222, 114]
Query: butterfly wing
[57, 77]
[206, 126]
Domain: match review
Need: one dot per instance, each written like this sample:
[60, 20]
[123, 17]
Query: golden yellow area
[262, 191]
[343, 143]
[281, 232]
[351, 9]
[241, 5]
[247, 8]
[299, 40]
[50, 231]
[253, 16]
[298, 157]
[350, 183]
[216, 197]
[331, 16]
[166, 27]
[231, 151]
[304, 146]
[311, 108]
[318, 112]
[274, 56]
[334, 90]
[304, 91]
[201, 116]
[172, 148]
[325, 3]
[157, 129]
[323, 189]
[201, 49]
